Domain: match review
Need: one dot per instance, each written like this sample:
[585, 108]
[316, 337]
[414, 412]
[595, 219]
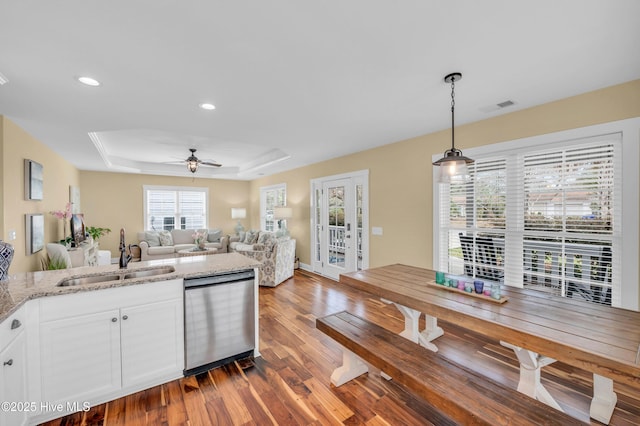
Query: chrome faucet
[124, 258]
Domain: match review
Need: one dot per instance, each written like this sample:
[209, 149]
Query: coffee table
[192, 252]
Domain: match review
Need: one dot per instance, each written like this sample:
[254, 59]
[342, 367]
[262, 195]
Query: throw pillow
[250, 237]
[165, 238]
[152, 238]
[214, 235]
[264, 237]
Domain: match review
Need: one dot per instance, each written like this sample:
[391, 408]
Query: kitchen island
[74, 338]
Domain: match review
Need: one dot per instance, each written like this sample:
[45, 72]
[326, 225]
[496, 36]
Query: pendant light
[453, 166]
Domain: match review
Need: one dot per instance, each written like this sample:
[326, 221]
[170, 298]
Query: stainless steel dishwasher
[219, 315]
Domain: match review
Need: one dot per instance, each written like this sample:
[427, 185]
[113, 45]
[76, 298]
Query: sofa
[277, 254]
[167, 244]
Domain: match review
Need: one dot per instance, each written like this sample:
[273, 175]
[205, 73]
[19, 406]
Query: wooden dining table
[540, 327]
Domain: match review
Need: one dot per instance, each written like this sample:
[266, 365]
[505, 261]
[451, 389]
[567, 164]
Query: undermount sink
[88, 280]
[161, 270]
[94, 279]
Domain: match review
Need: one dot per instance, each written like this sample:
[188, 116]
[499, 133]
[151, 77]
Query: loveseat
[277, 254]
[166, 244]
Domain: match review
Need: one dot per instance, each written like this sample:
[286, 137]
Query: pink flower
[60, 214]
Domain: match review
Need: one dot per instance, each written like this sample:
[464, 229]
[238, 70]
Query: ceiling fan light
[192, 166]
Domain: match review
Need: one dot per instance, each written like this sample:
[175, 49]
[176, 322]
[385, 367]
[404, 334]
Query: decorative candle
[479, 286]
[439, 277]
[495, 291]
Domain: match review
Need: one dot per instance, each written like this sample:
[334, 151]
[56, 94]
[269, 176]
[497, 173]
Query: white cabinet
[80, 356]
[98, 345]
[151, 341]
[13, 373]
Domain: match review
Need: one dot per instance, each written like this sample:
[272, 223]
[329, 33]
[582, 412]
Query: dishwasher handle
[219, 279]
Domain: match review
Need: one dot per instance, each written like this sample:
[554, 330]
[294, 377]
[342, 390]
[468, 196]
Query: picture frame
[33, 180]
[74, 198]
[34, 226]
[78, 231]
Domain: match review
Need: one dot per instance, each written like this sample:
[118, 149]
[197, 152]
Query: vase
[201, 245]
[6, 256]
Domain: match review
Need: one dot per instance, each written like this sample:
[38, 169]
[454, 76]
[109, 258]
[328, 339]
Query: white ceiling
[294, 82]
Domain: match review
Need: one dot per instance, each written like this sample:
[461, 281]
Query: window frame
[264, 190]
[629, 130]
[176, 189]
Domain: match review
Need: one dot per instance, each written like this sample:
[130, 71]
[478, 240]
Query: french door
[339, 224]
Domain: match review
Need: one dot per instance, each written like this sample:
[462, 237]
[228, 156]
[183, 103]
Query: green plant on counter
[67, 241]
[96, 232]
[49, 264]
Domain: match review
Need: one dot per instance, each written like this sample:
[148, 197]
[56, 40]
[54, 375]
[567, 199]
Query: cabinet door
[152, 342]
[13, 379]
[80, 356]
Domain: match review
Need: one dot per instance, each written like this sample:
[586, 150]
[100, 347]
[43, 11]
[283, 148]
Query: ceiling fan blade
[207, 163]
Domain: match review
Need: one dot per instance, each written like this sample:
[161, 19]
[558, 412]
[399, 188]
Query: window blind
[171, 208]
[541, 217]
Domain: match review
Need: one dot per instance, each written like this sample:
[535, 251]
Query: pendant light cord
[453, 106]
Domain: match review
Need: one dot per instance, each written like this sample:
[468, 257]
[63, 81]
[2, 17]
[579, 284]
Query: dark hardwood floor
[289, 384]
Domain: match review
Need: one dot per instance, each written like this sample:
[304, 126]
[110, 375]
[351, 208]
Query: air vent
[497, 107]
[505, 104]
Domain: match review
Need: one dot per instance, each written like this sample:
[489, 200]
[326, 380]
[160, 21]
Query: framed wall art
[33, 180]
[34, 224]
[74, 198]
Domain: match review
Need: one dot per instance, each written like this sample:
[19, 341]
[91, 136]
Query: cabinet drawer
[12, 326]
[89, 302]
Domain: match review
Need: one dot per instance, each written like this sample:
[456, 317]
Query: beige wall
[400, 178]
[114, 200]
[16, 145]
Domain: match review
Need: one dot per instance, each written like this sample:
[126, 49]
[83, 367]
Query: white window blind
[539, 217]
[169, 208]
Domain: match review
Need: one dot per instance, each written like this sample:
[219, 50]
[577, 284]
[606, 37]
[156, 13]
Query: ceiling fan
[193, 162]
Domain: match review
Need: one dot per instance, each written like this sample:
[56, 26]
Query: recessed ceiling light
[207, 106]
[89, 81]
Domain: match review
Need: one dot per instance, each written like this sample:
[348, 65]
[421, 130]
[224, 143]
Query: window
[167, 208]
[547, 213]
[270, 197]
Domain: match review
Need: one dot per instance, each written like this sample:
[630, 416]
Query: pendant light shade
[453, 165]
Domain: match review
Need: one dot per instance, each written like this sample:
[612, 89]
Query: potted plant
[96, 232]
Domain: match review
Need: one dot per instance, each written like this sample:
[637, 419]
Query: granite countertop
[31, 285]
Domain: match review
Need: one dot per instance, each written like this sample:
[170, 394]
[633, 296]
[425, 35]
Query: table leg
[352, 367]
[530, 365]
[604, 399]
[411, 327]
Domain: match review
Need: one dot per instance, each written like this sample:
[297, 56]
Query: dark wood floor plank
[289, 384]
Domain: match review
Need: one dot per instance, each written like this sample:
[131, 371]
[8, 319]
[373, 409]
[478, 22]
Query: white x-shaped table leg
[604, 398]
[530, 365]
[411, 327]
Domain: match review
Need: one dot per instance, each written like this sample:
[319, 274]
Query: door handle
[9, 363]
[347, 236]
